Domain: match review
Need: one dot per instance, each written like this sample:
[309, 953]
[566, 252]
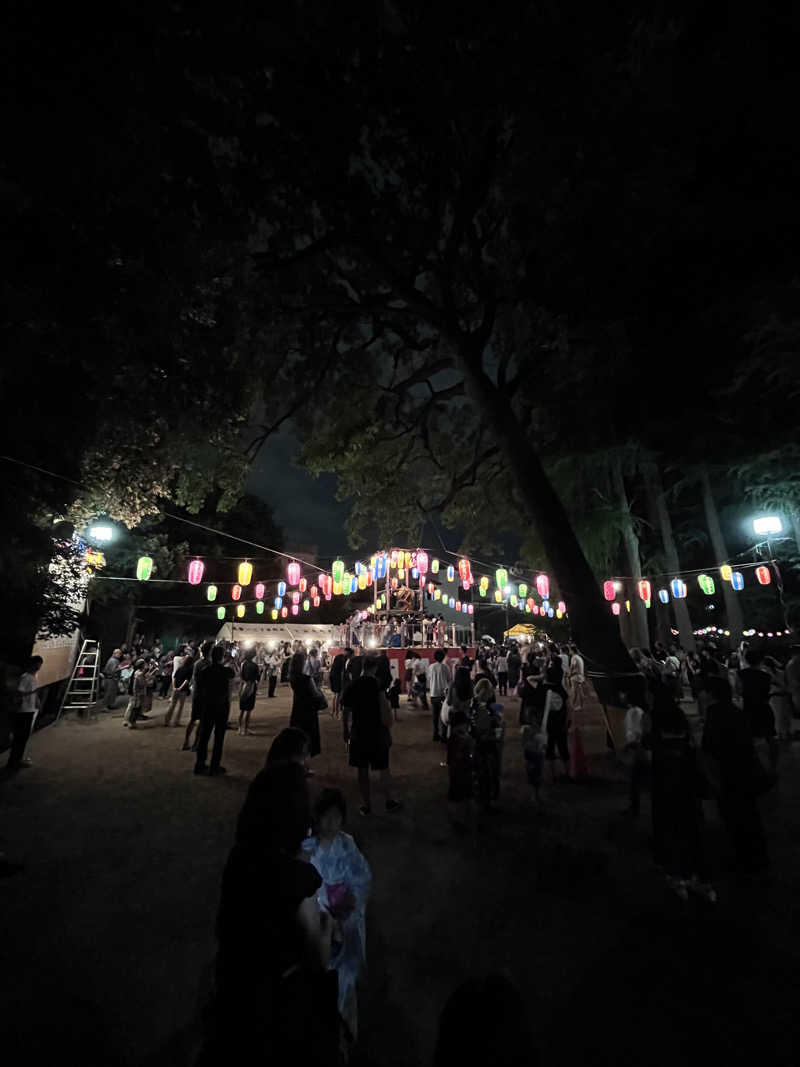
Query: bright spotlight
[101, 533]
[767, 524]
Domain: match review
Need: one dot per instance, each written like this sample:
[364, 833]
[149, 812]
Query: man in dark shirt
[213, 698]
[202, 663]
[370, 737]
[756, 684]
[336, 677]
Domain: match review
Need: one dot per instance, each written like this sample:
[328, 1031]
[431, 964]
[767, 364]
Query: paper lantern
[293, 573]
[545, 605]
[678, 587]
[281, 588]
[452, 602]
[451, 573]
[236, 592]
[211, 592]
[295, 598]
[380, 565]
[523, 590]
[431, 588]
[559, 614]
[422, 562]
[435, 565]
[562, 607]
[260, 607]
[144, 568]
[482, 591]
[353, 583]
[763, 576]
[278, 602]
[303, 585]
[550, 612]
[357, 567]
[326, 585]
[415, 573]
[260, 591]
[484, 583]
[337, 588]
[437, 594]
[274, 613]
[501, 577]
[245, 573]
[220, 613]
[196, 569]
[498, 595]
[514, 600]
[737, 581]
[284, 611]
[609, 591]
[408, 559]
[616, 608]
[465, 572]
[316, 601]
[313, 591]
[471, 609]
[393, 557]
[337, 570]
[529, 603]
[645, 589]
[725, 572]
[663, 596]
[535, 609]
[401, 574]
[295, 609]
[543, 586]
[706, 583]
[628, 606]
[362, 580]
[240, 611]
[395, 583]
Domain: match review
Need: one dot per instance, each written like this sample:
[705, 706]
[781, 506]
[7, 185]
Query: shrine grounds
[108, 934]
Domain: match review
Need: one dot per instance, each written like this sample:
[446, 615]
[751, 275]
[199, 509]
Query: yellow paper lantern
[245, 573]
[240, 610]
[726, 572]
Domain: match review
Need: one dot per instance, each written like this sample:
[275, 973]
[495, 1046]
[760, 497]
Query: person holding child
[346, 879]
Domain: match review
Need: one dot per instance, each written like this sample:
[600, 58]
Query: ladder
[81, 692]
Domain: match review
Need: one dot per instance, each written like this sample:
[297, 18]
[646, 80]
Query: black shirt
[213, 686]
[183, 674]
[250, 671]
[363, 699]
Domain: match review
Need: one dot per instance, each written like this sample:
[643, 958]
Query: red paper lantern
[465, 573]
[316, 601]
[236, 592]
[609, 592]
[284, 612]
[303, 585]
[422, 562]
[644, 590]
[314, 592]
[763, 575]
[293, 573]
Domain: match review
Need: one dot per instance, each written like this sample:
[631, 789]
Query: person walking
[137, 697]
[164, 674]
[272, 668]
[307, 702]
[24, 715]
[370, 737]
[336, 679]
[181, 690]
[635, 752]
[111, 673]
[514, 661]
[213, 697]
[439, 680]
[576, 679]
[313, 666]
[421, 681]
[202, 664]
[502, 672]
[250, 676]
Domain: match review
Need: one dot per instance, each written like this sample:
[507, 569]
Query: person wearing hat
[135, 706]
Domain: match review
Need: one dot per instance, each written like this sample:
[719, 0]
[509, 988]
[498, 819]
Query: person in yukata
[346, 880]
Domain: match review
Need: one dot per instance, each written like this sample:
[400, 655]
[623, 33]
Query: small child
[460, 766]
[533, 744]
[393, 692]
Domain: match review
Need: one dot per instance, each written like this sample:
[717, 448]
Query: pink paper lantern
[260, 591]
[293, 573]
[196, 569]
[543, 586]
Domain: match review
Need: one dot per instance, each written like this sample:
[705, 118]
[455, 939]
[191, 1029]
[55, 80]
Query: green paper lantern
[523, 590]
[144, 568]
[501, 577]
[220, 613]
[706, 583]
[259, 607]
[211, 592]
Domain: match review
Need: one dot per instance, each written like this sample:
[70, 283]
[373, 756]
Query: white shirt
[576, 668]
[27, 686]
[439, 679]
[633, 725]
[502, 664]
[177, 663]
[564, 661]
[420, 667]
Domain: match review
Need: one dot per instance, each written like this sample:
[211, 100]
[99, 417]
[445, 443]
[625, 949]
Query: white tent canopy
[266, 632]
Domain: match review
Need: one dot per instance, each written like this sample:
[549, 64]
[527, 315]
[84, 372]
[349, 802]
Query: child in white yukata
[346, 880]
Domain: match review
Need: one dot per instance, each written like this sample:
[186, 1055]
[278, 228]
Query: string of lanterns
[678, 588]
[409, 566]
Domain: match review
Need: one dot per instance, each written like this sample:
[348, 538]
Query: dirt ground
[108, 939]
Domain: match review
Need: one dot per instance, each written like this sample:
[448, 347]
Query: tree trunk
[655, 490]
[639, 634]
[594, 628]
[660, 616]
[732, 609]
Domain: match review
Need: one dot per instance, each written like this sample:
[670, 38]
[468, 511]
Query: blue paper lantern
[278, 603]
[357, 566]
[737, 581]
[678, 588]
[451, 573]
[380, 565]
[452, 602]
[663, 596]
[551, 612]
[281, 588]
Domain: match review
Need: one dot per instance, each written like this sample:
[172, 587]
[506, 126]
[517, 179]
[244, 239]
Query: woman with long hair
[307, 702]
